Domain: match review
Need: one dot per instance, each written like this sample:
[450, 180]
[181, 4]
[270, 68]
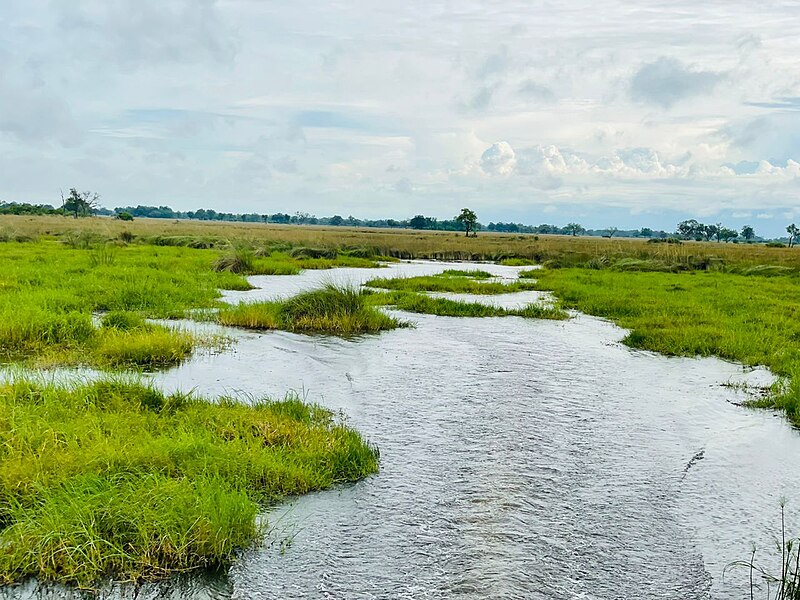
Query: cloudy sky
[609, 113]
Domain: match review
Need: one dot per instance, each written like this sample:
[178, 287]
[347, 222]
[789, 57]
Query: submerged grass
[454, 282]
[115, 478]
[446, 307]
[330, 309]
[752, 320]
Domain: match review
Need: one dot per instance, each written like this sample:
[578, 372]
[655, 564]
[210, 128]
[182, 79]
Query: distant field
[405, 243]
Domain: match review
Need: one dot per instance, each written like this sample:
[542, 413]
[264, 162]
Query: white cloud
[307, 106]
[498, 159]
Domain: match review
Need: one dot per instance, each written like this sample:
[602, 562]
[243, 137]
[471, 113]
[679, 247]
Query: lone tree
[793, 232]
[79, 204]
[468, 220]
[574, 229]
[748, 233]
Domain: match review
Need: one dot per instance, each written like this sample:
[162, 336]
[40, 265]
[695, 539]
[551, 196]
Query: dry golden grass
[404, 243]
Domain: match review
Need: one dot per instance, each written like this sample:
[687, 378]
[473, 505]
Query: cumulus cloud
[667, 81]
[498, 159]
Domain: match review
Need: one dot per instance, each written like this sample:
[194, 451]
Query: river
[519, 459]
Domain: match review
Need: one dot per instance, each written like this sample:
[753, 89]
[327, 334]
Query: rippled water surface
[519, 459]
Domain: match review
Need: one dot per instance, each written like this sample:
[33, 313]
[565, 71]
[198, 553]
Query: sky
[607, 113]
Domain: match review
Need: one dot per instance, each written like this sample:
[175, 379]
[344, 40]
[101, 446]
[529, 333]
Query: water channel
[519, 459]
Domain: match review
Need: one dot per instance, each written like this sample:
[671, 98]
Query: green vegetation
[331, 309]
[445, 307]
[115, 478]
[50, 290]
[474, 274]
[747, 318]
[452, 281]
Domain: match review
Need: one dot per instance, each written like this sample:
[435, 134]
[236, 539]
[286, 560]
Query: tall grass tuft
[236, 259]
[331, 309]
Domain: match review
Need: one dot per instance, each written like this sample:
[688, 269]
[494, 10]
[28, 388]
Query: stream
[519, 459]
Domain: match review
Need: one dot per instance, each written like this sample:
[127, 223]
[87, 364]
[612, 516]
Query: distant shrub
[124, 216]
[775, 245]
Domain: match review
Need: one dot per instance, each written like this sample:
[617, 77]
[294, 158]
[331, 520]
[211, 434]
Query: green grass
[750, 319]
[517, 262]
[49, 291]
[473, 274]
[117, 479]
[445, 307]
[457, 284]
[330, 309]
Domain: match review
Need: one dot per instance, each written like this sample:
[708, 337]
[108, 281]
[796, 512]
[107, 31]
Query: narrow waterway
[519, 459]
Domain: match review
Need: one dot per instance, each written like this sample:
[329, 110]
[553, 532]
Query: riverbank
[749, 319]
[117, 479]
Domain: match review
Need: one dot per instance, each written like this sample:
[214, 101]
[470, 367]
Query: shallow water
[519, 459]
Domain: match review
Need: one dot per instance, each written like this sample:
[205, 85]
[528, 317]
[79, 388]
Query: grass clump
[446, 307]
[150, 347]
[238, 259]
[330, 309]
[116, 478]
[458, 284]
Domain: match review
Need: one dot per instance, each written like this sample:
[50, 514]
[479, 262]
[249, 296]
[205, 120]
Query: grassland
[51, 287]
[115, 478]
[752, 319]
[49, 293]
[508, 248]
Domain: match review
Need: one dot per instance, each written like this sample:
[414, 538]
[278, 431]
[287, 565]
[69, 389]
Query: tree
[468, 220]
[418, 222]
[689, 229]
[124, 216]
[79, 204]
[646, 232]
[337, 220]
[611, 231]
[793, 232]
[574, 229]
[709, 231]
[725, 234]
[748, 233]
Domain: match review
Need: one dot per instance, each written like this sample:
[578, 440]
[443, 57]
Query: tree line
[79, 204]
